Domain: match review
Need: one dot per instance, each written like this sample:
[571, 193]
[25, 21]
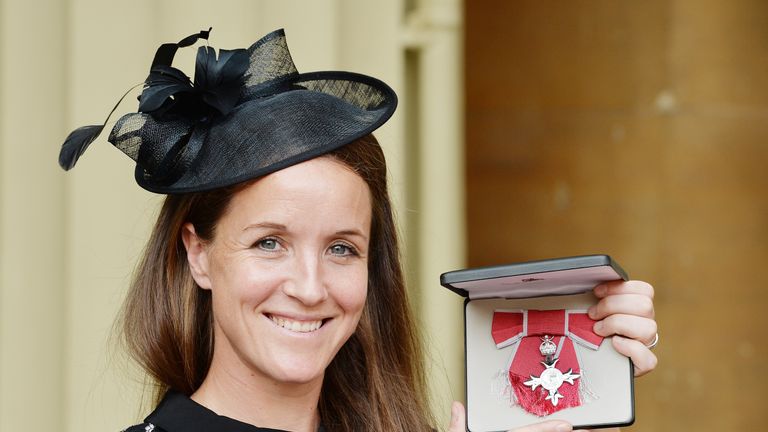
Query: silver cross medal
[551, 378]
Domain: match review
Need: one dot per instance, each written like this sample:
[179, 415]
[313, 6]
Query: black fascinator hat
[247, 113]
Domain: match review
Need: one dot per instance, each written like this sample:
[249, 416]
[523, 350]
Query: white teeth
[296, 326]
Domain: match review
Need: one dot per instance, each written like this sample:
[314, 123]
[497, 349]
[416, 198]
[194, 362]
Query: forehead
[317, 189]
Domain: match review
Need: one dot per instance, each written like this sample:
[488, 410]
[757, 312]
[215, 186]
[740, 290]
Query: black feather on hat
[248, 113]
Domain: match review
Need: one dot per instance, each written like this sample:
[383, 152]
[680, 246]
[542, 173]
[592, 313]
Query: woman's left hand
[625, 311]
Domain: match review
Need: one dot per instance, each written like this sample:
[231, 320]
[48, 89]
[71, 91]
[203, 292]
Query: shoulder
[144, 427]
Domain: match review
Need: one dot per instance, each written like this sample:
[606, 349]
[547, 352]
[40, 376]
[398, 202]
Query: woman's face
[288, 272]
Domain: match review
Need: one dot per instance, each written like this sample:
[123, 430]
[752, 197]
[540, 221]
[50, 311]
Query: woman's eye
[268, 244]
[341, 249]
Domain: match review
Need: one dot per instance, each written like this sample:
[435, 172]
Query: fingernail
[599, 327]
[563, 428]
[600, 290]
[619, 339]
[592, 311]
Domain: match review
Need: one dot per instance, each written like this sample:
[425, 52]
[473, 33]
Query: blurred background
[526, 130]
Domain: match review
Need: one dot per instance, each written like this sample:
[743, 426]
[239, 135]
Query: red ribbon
[526, 327]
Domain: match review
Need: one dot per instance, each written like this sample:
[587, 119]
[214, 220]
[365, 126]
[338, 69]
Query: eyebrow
[281, 227]
[353, 232]
[269, 225]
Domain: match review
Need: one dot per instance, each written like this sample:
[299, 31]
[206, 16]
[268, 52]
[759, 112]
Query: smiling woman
[270, 293]
[263, 297]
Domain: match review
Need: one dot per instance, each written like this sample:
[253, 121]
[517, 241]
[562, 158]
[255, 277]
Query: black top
[178, 413]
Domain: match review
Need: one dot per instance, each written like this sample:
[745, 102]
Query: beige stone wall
[68, 242]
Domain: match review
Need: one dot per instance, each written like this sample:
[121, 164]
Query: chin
[298, 373]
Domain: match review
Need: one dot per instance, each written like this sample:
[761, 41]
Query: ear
[197, 255]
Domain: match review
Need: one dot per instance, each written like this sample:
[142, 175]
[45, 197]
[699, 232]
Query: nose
[307, 284]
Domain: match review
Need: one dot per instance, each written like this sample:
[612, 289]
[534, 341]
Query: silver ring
[654, 343]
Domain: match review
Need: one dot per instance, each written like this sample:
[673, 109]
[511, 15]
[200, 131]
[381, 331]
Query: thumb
[458, 418]
[547, 426]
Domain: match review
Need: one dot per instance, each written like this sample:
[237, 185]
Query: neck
[235, 391]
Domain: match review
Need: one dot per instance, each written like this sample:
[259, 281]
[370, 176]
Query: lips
[307, 326]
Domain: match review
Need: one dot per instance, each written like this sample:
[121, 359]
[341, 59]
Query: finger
[547, 426]
[628, 304]
[458, 418]
[643, 359]
[630, 326]
[606, 289]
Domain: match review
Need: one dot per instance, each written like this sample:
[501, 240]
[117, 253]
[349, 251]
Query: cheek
[243, 284]
[351, 297]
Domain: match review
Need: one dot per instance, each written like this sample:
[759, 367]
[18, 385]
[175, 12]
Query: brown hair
[376, 382]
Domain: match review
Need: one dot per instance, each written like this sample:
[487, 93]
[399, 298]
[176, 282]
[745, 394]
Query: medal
[551, 378]
[551, 334]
